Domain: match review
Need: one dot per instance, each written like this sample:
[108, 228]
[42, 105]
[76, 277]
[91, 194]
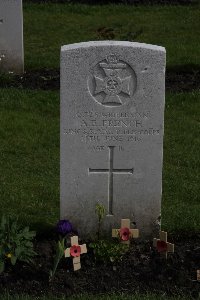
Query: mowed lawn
[48, 26]
[29, 131]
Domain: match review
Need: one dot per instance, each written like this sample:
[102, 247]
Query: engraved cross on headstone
[110, 171]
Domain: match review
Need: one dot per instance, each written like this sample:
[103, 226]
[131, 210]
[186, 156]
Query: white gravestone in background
[11, 36]
[112, 121]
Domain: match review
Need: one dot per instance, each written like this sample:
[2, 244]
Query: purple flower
[64, 227]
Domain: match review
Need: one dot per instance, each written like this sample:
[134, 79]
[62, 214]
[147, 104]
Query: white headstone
[11, 36]
[112, 121]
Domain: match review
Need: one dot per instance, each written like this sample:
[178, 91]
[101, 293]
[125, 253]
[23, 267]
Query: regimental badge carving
[112, 82]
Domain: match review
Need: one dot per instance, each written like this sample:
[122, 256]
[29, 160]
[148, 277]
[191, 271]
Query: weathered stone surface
[11, 36]
[112, 121]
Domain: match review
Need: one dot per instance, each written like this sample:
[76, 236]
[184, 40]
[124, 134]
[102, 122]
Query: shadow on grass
[183, 78]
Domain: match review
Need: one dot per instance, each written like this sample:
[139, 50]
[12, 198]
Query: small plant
[15, 243]
[105, 250]
[109, 251]
[59, 254]
[100, 212]
[63, 228]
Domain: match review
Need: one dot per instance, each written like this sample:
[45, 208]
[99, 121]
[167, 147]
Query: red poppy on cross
[162, 245]
[75, 251]
[125, 233]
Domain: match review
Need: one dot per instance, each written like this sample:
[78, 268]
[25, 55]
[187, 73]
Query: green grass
[29, 149]
[48, 26]
[29, 131]
[100, 297]
[181, 189]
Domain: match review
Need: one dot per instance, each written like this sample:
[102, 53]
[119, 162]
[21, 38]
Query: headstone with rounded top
[11, 37]
[112, 122]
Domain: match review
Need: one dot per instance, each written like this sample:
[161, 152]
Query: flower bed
[142, 269]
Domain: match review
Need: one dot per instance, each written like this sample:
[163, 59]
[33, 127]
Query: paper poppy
[75, 251]
[161, 246]
[125, 234]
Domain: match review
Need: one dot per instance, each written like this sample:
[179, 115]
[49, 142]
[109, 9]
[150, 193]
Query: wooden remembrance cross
[198, 275]
[110, 173]
[162, 245]
[75, 251]
[125, 233]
